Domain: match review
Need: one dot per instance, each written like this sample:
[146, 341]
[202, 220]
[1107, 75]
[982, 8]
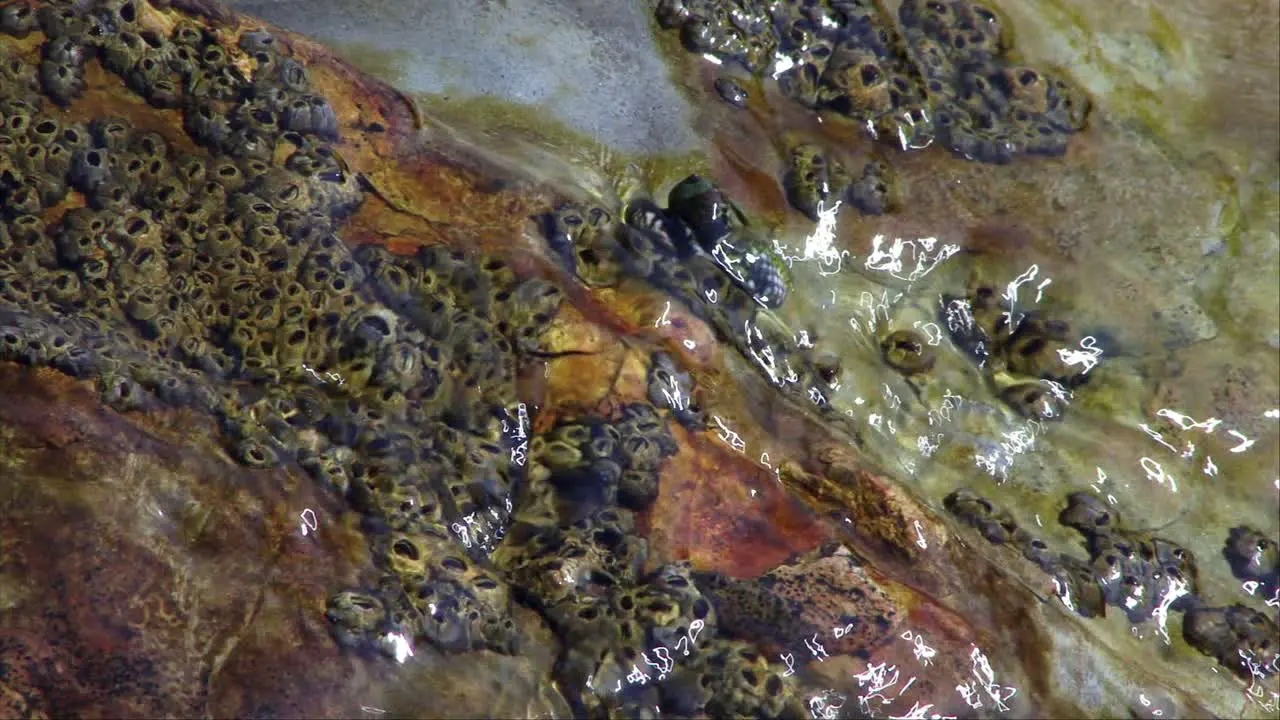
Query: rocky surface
[594, 506]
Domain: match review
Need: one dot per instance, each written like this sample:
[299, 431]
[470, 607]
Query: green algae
[388, 65]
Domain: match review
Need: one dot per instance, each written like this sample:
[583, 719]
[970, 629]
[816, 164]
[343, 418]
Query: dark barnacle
[979, 320]
[1131, 576]
[1089, 514]
[996, 526]
[1078, 586]
[18, 77]
[110, 133]
[870, 192]
[812, 181]
[357, 620]
[311, 115]
[334, 188]
[583, 240]
[907, 352]
[207, 125]
[1253, 557]
[829, 367]
[1035, 349]
[670, 387]
[855, 83]
[117, 15]
[121, 52]
[802, 82]
[18, 19]
[63, 82]
[640, 251]
[26, 200]
[644, 214]
[731, 92]
[1034, 549]
[121, 392]
[256, 453]
[59, 20]
[153, 80]
[256, 41]
[1034, 400]
[30, 239]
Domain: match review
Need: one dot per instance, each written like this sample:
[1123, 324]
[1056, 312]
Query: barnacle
[311, 115]
[90, 168]
[1089, 514]
[1253, 556]
[907, 352]
[996, 525]
[870, 193]
[207, 125]
[62, 82]
[18, 20]
[59, 20]
[1034, 400]
[813, 181]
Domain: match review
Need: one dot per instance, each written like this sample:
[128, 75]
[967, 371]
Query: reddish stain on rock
[706, 512]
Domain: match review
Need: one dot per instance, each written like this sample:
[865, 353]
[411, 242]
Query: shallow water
[1156, 238]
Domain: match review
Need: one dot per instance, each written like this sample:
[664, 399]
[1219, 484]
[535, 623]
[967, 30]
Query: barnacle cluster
[816, 181]
[704, 251]
[1134, 571]
[218, 279]
[1027, 350]
[204, 266]
[941, 72]
[573, 554]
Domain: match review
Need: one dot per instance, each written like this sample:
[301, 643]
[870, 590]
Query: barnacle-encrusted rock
[940, 73]
[732, 678]
[1129, 570]
[189, 270]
